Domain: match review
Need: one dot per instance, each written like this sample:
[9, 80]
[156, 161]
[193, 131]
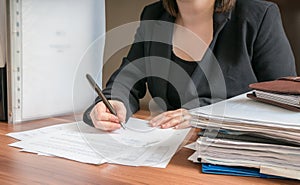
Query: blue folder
[236, 171]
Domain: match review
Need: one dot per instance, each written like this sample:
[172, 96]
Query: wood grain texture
[25, 168]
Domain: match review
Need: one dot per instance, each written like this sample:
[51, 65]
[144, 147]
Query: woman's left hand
[177, 118]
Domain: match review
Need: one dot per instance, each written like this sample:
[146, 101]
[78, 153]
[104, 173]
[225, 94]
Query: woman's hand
[104, 120]
[178, 119]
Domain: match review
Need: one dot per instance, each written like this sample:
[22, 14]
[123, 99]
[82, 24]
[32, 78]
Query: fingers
[101, 113]
[178, 119]
[120, 109]
[106, 125]
[167, 115]
[104, 120]
[185, 124]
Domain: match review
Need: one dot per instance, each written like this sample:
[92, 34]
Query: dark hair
[220, 6]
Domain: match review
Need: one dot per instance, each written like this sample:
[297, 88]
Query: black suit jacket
[249, 45]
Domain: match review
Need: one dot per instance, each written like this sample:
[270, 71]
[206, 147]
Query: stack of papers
[247, 154]
[256, 135]
[243, 114]
[137, 145]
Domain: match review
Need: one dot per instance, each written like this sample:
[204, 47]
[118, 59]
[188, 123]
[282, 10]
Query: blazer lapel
[220, 20]
[207, 68]
[160, 48]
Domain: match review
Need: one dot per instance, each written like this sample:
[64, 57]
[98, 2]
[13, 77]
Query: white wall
[55, 38]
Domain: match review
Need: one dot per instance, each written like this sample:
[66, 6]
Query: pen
[105, 101]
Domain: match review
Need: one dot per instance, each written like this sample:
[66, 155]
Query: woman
[241, 42]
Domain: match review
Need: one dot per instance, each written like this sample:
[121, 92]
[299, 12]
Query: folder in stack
[234, 170]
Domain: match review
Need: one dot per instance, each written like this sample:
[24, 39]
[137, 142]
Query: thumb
[121, 110]
[121, 113]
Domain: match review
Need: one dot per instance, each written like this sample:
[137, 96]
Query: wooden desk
[26, 168]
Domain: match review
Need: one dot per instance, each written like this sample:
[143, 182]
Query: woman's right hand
[104, 120]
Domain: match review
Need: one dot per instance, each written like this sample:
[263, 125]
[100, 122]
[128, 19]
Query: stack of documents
[242, 132]
[137, 145]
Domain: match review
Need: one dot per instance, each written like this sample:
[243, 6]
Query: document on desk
[137, 145]
[60, 140]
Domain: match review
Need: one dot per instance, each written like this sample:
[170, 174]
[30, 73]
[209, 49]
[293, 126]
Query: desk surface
[26, 168]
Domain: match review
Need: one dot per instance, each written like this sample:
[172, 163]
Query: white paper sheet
[137, 145]
[194, 157]
[66, 144]
[191, 146]
[243, 108]
[28, 134]
[289, 173]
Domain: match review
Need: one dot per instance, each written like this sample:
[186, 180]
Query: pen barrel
[101, 95]
[109, 106]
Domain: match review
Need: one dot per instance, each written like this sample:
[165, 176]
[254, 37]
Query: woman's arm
[272, 53]
[127, 84]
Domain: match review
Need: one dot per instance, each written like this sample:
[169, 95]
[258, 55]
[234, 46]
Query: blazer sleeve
[272, 53]
[128, 82]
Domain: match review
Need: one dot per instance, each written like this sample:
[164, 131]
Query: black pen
[105, 101]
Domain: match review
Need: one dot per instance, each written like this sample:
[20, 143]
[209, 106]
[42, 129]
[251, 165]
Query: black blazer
[249, 45]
